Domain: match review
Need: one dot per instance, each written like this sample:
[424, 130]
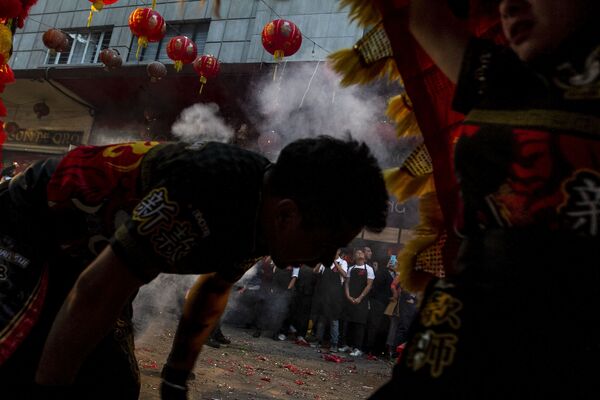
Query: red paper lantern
[282, 38]
[64, 46]
[148, 25]
[53, 38]
[156, 71]
[110, 58]
[182, 50]
[97, 6]
[206, 66]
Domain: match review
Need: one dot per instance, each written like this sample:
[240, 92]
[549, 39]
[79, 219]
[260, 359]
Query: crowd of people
[352, 305]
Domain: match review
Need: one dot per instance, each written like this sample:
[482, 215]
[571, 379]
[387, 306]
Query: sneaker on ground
[356, 353]
[344, 349]
[281, 337]
[333, 349]
[213, 343]
[223, 339]
[257, 333]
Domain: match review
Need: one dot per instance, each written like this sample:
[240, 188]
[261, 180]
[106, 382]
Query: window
[197, 31]
[85, 47]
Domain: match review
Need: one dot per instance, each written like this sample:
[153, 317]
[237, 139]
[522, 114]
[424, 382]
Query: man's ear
[287, 215]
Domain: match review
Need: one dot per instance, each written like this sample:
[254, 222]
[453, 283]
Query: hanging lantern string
[169, 26]
[143, 2]
[303, 35]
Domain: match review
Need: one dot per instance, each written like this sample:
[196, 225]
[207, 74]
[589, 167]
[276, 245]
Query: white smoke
[307, 100]
[201, 122]
[160, 302]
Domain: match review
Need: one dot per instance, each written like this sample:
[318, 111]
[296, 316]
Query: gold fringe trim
[363, 12]
[403, 185]
[427, 234]
[347, 63]
[400, 111]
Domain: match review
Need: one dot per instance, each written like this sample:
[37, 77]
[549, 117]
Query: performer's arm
[87, 315]
[205, 303]
[440, 33]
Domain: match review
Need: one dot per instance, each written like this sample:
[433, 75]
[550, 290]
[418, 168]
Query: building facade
[88, 104]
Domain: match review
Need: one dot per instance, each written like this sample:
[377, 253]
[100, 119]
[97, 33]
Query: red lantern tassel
[202, 82]
[278, 55]
[178, 65]
[142, 43]
[96, 7]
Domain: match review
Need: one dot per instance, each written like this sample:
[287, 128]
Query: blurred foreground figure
[79, 236]
[520, 319]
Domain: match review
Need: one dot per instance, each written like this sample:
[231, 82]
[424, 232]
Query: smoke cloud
[202, 122]
[307, 100]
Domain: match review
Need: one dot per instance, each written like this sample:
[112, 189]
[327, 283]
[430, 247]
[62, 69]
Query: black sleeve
[489, 73]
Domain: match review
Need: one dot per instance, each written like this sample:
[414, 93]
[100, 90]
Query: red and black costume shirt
[174, 208]
[528, 153]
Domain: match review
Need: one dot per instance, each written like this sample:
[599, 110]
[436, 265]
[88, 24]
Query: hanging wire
[309, 83]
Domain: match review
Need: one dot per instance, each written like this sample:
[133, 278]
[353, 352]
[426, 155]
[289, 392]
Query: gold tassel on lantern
[142, 43]
[178, 65]
[202, 83]
[96, 7]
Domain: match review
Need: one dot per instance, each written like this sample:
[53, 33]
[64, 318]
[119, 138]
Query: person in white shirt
[329, 299]
[357, 286]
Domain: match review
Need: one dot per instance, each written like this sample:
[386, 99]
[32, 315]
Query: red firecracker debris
[148, 364]
[335, 359]
[292, 368]
[265, 378]
[371, 357]
[298, 382]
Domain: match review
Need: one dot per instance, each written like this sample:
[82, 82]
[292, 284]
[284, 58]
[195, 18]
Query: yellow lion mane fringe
[400, 111]
[427, 234]
[347, 63]
[363, 12]
[404, 185]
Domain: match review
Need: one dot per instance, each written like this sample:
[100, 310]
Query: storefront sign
[45, 137]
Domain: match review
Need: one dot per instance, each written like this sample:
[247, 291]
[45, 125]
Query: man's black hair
[336, 183]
